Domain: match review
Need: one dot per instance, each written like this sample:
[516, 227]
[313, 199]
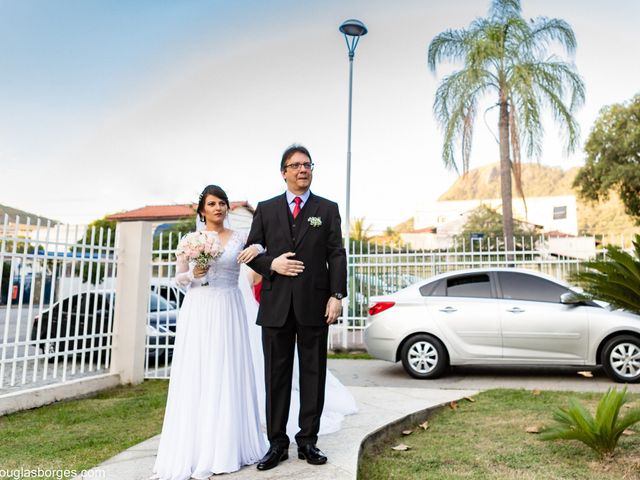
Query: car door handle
[448, 309]
[515, 310]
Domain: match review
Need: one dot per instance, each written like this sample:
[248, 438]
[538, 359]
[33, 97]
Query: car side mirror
[573, 298]
[173, 304]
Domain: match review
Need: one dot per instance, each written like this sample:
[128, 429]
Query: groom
[304, 274]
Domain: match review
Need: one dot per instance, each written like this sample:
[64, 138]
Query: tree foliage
[22, 246]
[392, 237]
[168, 238]
[613, 157]
[614, 279]
[93, 234]
[99, 233]
[360, 231]
[486, 221]
[506, 57]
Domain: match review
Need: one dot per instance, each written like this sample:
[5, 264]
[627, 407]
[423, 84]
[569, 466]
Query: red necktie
[296, 208]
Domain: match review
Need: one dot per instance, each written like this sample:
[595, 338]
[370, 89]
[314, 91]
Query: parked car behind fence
[500, 316]
[83, 323]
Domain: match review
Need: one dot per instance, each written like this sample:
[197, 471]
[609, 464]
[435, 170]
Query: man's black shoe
[274, 456]
[311, 454]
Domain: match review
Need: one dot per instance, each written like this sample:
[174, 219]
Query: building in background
[552, 214]
[437, 224]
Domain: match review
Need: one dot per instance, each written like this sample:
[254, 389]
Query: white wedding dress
[211, 423]
[215, 412]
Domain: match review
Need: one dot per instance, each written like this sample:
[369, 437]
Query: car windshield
[158, 304]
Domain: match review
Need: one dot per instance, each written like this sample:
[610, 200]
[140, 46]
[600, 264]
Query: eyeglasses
[298, 166]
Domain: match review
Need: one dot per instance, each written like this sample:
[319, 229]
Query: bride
[215, 403]
[211, 423]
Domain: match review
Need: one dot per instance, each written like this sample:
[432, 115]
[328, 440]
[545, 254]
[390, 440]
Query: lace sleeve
[243, 237]
[184, 274]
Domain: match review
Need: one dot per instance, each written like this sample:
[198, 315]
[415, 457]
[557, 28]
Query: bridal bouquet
[200, 248]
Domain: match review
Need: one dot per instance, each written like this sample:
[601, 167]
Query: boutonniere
[315, 221]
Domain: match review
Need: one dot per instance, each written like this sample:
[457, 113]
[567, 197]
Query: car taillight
[380, 307]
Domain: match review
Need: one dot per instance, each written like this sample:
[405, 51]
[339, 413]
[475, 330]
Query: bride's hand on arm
[248, 254]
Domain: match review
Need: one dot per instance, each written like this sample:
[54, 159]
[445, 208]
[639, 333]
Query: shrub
[600, 433]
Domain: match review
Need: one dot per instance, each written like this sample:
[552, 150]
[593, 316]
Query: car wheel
[424, 356]
[621, 359]
[152, 355]
[49, 349]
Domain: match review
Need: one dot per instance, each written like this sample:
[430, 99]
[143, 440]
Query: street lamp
[352, 30]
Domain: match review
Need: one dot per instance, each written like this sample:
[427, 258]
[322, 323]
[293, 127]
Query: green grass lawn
[79, 434]
[487, 439]
[481, 440]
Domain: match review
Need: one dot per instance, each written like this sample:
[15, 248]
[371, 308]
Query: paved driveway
[378, 373]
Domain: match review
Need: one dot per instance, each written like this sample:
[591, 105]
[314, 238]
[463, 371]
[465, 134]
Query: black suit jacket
[318, 247]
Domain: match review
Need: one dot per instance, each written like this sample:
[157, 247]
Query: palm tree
[615, 279]
[359, 232]
[506, 56]
[392, 237]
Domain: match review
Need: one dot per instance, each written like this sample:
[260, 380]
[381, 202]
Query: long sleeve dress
[212, 420]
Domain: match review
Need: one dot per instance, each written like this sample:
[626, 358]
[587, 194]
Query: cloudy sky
[115, 104]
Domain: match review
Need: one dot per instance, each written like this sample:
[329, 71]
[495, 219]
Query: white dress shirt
[291, 197]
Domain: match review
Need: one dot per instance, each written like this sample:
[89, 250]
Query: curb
[393, 429]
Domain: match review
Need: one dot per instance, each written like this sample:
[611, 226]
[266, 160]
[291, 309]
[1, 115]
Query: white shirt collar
[304, 197]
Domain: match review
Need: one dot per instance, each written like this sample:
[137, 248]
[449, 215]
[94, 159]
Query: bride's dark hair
[214, 190]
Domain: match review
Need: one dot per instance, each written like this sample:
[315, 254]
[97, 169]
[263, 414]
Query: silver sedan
[500, 316]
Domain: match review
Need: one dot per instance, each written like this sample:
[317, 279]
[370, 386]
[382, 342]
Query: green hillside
[538, 181]
[12, 213]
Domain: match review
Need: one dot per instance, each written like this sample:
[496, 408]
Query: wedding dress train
[338, 400]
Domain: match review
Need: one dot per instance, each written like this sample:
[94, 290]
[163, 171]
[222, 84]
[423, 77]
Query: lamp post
[352, 30]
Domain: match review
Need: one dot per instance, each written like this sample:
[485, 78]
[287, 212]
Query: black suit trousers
[279, 345]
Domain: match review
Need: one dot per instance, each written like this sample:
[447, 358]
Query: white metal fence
[57, 294]
[374, 269]
[56, 302]
[378, 269]
[165, 299]
[57, 285]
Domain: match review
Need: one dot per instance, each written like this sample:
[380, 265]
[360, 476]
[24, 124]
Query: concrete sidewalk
[378, 406]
